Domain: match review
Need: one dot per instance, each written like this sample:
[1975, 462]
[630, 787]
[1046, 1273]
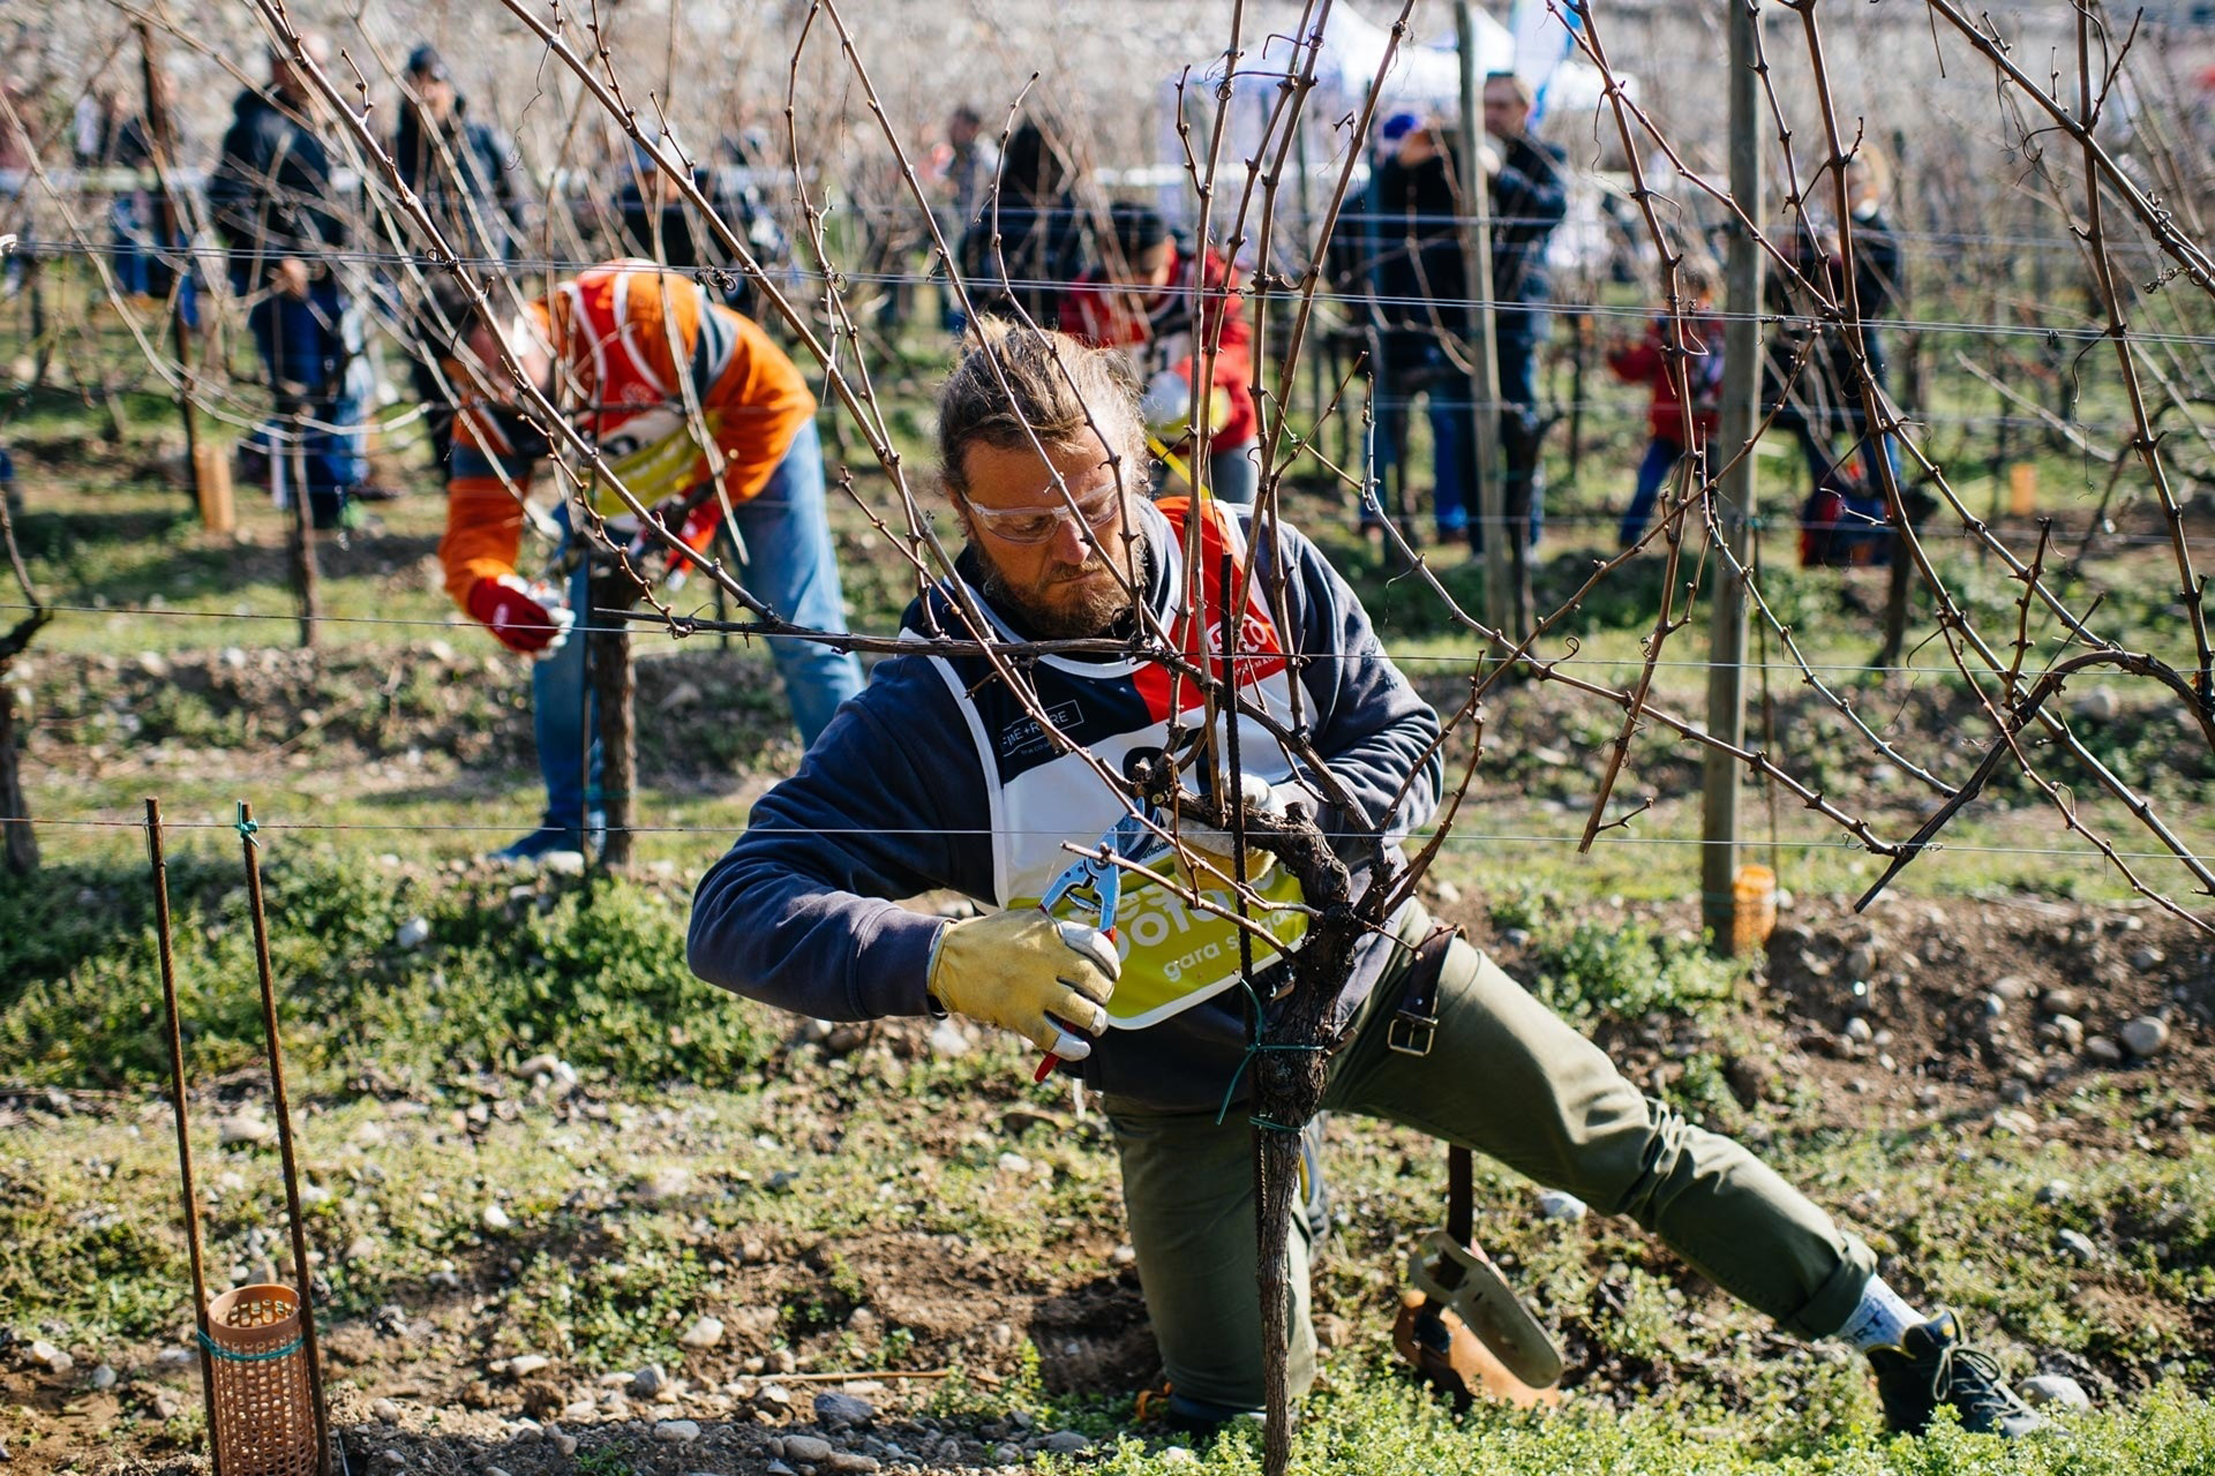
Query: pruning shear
[1094, 883]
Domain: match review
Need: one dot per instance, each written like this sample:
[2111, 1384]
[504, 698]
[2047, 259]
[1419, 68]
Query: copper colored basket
[264, 1404]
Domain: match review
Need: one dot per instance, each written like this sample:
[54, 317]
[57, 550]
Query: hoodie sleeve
[1376, 734]
[795, 915]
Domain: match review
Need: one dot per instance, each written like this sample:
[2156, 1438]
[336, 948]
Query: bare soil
[1962, 1002]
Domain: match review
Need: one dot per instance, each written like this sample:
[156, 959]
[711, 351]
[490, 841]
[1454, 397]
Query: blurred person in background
[1879, 280]
[276, 202]
[115, 146]
[470, 178]
[657, 223]
[1692, 338]
[1529, 199]
[1427, 312]
[963, 168]
[628, 350]
[1812, 383]
[1141, 299]
[18, 151]
[1028, 241]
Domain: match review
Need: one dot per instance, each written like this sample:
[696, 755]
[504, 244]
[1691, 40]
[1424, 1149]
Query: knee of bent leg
[1619, 1148]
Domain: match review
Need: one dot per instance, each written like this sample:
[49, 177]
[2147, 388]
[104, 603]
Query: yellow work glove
[1016, 969]
[1212, 847]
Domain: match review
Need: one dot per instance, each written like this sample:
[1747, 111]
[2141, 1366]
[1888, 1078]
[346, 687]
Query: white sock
[1881, 1320]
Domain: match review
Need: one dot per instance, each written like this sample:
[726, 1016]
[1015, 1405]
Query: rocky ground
[1995, 1024]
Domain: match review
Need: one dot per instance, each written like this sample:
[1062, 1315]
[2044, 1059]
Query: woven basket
[264, 1406]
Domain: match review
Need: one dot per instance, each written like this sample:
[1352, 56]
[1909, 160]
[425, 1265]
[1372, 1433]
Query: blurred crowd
[321, 248]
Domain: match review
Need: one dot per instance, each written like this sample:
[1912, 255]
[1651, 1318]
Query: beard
[1071, 602]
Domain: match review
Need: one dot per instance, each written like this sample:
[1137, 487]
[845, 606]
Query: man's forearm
[761, 931]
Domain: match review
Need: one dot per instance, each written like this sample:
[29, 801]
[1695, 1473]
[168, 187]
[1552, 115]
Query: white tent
[1424, 78]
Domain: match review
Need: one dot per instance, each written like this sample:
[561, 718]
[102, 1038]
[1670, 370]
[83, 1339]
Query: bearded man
[952, 772]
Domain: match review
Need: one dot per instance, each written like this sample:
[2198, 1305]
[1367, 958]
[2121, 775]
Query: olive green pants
[1505, 1077]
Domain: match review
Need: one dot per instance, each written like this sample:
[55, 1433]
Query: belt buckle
[1411, 1035]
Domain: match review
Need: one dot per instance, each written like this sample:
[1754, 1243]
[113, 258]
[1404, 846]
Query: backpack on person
[1843, 522]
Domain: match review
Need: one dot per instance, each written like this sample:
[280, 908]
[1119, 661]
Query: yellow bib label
[1176, 955]
[654, 455]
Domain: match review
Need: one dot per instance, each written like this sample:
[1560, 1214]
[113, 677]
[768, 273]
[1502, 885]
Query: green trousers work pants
[1504, 1077]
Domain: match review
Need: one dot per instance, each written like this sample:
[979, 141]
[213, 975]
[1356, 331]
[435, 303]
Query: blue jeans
[147, 265]
[790, 565]
[1662, 457]
[1453, 450]
[134, 257]
[1452, 415]
[1523, 485]
[316, 369]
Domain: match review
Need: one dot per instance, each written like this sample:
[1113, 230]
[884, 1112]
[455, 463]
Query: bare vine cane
[1289, 1050]
[307, 581]
[1290, 1053]
[18, 841]
[614, 593]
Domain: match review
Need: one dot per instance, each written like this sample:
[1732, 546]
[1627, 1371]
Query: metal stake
[300, 1265]
[160, 867]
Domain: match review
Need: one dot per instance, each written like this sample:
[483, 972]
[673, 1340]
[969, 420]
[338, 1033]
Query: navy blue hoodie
[891, 802]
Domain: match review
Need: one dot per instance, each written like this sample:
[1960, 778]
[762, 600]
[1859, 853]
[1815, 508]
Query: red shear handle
[1049, 1061]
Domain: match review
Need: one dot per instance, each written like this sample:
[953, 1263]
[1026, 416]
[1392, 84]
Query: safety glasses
[1039, 524]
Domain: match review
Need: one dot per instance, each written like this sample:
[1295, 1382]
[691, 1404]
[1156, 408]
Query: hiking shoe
[539, 844]
[1932, 1366]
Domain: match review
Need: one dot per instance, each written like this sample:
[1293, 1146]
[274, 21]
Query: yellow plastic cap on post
[1753, 896]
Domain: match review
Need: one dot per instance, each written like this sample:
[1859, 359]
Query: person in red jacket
[1676, 427]
[1140, 300]
[696, 412]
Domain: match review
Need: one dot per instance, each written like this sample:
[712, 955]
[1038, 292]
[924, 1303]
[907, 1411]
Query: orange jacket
[621, 335]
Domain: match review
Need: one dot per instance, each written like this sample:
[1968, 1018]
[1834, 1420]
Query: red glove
[698, 532]
[527, 617]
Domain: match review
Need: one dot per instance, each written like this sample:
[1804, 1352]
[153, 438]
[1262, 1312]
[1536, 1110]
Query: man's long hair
[1016, 382]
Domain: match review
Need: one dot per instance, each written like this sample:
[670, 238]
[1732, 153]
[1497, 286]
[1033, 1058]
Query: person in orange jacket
[1140, 300]
[698, 414]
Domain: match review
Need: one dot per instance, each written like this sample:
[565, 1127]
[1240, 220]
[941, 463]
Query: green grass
[1377, 1425]
[411, 1121]
[507, 970]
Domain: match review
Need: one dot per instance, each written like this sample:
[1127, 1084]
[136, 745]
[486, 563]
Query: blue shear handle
[1099, 875]
[1104, 879]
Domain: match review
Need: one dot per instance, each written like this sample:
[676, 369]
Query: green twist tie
[1253, 1050]
[246, 827]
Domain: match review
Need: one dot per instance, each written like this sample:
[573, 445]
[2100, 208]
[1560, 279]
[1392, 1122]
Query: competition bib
[1176, 955]
[656, 455]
